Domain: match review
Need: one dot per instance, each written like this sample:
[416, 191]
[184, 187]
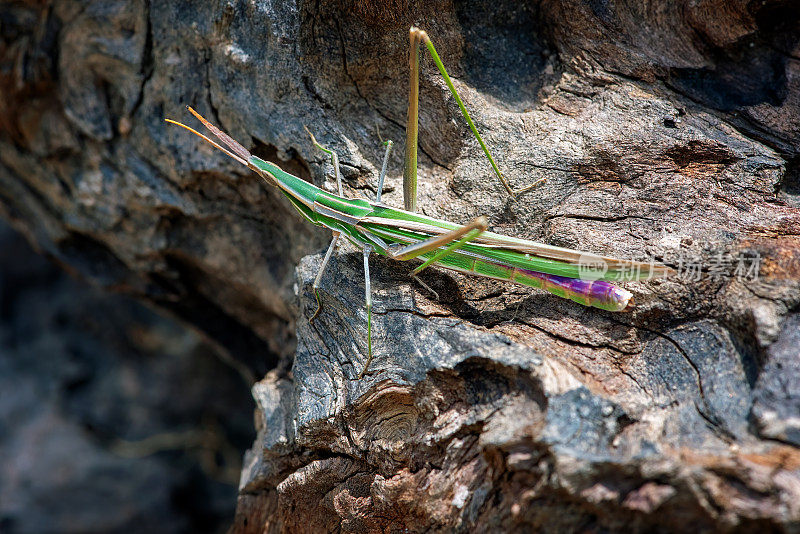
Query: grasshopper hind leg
[417, 38]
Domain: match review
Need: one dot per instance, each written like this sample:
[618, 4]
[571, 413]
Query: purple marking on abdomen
[597, 293]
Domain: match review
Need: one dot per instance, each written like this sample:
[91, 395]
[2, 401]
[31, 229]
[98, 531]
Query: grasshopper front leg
[332, 246]
[318, 279]
[334, 160]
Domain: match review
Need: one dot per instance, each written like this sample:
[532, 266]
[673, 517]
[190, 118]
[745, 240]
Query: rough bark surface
[668, 130]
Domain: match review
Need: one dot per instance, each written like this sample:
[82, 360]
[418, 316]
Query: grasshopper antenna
[234, 150]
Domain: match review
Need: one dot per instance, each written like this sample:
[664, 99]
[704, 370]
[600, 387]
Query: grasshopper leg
[318, 279]
[420, 37]
[389, 145]
[452, 240]
[426, 286]
[367, 252]
[334, 160]
[332, 246]
[412, 125]
[368, 305]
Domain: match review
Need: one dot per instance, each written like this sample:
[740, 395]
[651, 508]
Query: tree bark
[665, 130]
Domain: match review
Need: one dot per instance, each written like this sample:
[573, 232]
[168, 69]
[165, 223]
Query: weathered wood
[666, 129]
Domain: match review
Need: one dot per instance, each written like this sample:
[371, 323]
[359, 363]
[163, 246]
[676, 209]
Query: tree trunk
[665, 130]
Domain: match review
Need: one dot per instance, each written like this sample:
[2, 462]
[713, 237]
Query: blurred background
[112, 418]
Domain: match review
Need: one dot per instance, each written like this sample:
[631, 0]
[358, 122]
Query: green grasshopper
[405, 235]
